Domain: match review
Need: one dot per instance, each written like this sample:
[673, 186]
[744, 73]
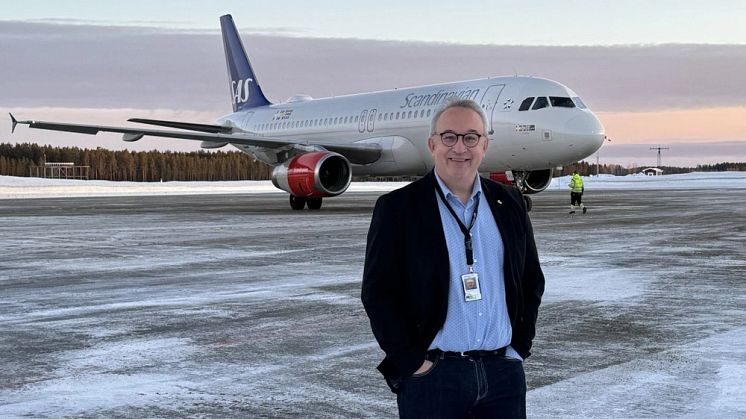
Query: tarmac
[236, 306]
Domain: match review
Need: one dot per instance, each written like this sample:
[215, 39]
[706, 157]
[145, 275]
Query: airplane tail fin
[245, 90]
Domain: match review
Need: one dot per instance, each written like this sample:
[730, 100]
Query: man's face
[458, 163]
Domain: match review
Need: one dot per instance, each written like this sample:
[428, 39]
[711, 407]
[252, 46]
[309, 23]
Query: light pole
[659, 148]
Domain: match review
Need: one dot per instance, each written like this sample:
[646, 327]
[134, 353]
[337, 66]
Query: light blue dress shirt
[482, 324]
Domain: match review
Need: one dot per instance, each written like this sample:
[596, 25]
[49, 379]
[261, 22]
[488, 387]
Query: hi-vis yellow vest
[576, 183]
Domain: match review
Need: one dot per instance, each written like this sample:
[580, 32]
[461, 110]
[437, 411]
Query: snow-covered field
[21, 187]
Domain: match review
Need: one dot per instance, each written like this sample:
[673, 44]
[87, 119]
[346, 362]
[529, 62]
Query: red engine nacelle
[314, 175]
[506, 178]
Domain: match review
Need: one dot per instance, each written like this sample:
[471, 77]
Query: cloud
[99, 66]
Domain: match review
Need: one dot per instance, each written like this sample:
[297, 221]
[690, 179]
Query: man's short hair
[460, 103]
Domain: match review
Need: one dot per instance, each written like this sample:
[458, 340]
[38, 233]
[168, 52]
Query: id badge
[470, 282]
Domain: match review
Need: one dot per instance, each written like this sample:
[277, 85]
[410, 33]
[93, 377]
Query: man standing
[576, 192]
[452, 282]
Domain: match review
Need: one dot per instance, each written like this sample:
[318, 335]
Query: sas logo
[240, 90]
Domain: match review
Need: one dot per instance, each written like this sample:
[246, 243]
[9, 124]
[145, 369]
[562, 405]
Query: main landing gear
[298, 202]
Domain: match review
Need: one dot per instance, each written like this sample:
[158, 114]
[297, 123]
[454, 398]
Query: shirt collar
[475, 191]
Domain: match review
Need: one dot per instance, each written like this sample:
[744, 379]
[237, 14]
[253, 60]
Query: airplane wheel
[297, 202]
[313, 203]
[529, 202]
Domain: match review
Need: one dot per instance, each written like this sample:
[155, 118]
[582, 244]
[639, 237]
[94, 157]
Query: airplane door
[362, 123]
[489, 101]
[372, 119]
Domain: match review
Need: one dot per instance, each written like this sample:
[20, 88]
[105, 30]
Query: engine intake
[536, 180]
[313, 175]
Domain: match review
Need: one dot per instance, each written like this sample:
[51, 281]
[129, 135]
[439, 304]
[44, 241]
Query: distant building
[652, 171]
[59, 171]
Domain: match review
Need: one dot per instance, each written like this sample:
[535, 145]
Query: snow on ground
[22, 187]
[695, 180]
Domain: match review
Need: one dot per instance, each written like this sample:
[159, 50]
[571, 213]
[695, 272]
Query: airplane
[316, 145]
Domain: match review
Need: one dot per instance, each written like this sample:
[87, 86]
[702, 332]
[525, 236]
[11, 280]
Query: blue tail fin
[245, 90]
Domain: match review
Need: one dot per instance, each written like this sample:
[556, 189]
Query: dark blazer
[406, 275]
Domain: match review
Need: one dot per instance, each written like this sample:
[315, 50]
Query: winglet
[14, 122]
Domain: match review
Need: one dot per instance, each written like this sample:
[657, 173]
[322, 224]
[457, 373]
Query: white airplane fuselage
[399, 122]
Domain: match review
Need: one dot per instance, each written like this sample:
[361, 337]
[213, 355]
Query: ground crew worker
[576, 192]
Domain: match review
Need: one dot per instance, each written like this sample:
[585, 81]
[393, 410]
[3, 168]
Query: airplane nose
[585, 132]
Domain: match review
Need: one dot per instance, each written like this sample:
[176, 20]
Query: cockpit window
[561, 102]
[526, 104]
[579, 102]
[541, 102]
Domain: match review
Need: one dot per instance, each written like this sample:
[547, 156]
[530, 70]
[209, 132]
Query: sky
[657, 73]
[514, 22]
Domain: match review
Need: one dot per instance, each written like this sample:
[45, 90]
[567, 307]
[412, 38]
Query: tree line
[154, 166]
[585, 169]
[141, 166]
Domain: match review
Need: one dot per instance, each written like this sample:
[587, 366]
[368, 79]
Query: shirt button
[480, 314]
[479, 340]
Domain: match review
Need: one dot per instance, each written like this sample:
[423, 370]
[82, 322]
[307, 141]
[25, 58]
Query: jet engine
[528, 182]
[533, 181]
[313, 175]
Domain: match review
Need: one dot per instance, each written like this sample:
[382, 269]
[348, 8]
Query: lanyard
[467, 235]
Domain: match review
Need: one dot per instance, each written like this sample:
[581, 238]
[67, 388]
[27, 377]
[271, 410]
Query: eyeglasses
[450, 138]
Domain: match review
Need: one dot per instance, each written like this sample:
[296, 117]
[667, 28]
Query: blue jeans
[481, 387]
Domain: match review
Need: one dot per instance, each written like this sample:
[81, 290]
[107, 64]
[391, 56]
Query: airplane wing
[184, 125]
[355, 153]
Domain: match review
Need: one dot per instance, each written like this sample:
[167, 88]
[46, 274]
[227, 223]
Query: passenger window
[526, 104]
[541, 102]
[380, 116]
[428, 113]
[561, 102]
[409, 115]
